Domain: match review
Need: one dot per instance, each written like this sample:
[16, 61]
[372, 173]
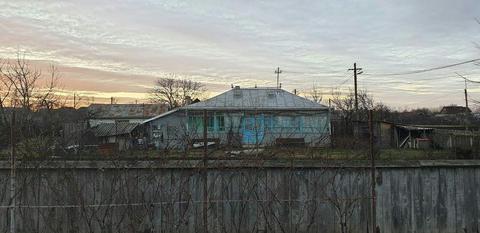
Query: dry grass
[267, 153]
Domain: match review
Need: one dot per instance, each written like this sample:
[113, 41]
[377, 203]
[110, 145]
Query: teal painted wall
[171, 131]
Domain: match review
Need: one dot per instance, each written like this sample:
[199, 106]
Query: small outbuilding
[119, 134]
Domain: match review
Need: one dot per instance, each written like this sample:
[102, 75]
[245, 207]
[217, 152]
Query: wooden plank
[459, 201]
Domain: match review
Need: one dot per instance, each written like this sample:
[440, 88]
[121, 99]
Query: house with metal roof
[123, 113]
[243, 117]
[454, 109]
[114, 124]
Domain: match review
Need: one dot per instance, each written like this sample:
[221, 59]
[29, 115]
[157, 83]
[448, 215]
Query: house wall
[384, 137]
[123, 142]
[168, 132]
[174, 130]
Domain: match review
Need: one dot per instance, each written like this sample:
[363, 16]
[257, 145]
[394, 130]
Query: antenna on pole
[278, 72]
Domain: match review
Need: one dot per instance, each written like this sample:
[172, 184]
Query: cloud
[123, 47]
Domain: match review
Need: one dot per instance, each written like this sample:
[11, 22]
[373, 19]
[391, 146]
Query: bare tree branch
[175, 91]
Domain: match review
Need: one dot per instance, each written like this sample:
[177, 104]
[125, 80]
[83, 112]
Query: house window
[269, 122]
[211, 124]
[215, 123]
[294, 123]
[220, 122]
[195, 123]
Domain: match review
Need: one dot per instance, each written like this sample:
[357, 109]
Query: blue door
[253, 129]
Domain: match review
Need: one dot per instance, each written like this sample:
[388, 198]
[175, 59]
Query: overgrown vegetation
[31, 95]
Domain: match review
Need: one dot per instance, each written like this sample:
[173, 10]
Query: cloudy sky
[118, 48]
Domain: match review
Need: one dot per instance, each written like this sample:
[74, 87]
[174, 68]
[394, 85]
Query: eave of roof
[411, 127]
[161, 115]
[253, 109]
[113, 129]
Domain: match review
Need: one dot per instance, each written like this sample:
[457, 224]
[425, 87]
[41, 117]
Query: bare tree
[5, 88]
[315, 95]
[23, 80]
[20, 84]
[175, 90]
[345, 105]
[21, 88]
[347, 120]
[47, 99]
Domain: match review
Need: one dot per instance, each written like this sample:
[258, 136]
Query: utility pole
[466, 106]
[205, 174]
[372, 173]
[466, 96]
[355, 72]
[12, 172]
[278, 72]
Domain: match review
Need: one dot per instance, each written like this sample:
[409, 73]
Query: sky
[118, 48]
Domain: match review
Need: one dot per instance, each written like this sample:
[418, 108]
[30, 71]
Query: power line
[343, 82]
[466, 79]
[313, 73]
[416, 80]
[428, 69]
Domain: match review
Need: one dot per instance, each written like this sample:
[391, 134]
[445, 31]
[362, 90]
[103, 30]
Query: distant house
[124, 113]
[243, 117]
[114, 124]
[454, 109]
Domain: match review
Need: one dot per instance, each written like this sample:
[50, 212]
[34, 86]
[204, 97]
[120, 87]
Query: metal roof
[160, 116]
[256, 99]
[119, 111]
[454, 109]
[112, 129]
[413, 127]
